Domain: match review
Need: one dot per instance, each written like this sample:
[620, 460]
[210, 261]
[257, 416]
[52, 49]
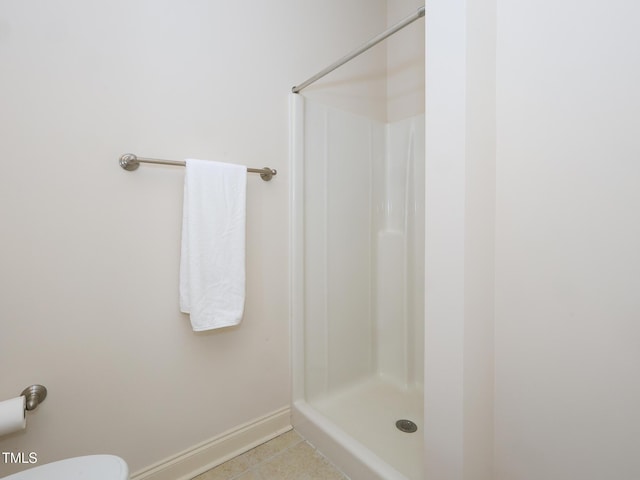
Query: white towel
[212, 261]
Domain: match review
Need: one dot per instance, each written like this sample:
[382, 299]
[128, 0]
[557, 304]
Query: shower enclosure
[357, 288]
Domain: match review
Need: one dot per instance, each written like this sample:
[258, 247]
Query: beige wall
[405, 62]
[567, 236]
[460, 219]
[532, 327]
[385, 83]
[89, 257]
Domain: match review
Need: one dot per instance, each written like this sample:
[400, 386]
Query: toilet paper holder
[34, 395]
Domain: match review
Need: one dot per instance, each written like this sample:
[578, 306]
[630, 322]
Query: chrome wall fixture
[363, 48]
[131, 162]
[34, 396]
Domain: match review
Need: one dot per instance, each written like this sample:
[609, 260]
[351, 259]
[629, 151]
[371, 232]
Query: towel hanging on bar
[131, 162]
[212, 254]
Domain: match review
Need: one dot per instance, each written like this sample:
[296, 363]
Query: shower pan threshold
[367, 414]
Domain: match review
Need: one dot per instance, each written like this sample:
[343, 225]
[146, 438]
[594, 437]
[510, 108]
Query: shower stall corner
[357, 288]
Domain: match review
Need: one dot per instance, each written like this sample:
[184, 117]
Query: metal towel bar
[131, 162]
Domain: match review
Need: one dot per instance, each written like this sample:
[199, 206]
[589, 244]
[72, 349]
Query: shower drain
[406, 426]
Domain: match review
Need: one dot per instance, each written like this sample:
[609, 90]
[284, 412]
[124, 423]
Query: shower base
[356, 429]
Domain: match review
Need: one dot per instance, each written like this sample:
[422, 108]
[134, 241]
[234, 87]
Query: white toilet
[91, 467]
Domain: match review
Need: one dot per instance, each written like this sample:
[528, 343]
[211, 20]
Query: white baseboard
[210, 453]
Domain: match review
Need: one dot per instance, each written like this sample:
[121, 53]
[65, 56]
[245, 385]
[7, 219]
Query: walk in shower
[358, 288]
[357, 283]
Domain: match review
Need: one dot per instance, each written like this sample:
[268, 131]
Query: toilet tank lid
[90, 467]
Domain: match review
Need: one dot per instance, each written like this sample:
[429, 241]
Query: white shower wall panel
[390, 327]
[315, 253]
[363, 249]
[415, 253]
[340, 149]
[399, 261]
[351, 143]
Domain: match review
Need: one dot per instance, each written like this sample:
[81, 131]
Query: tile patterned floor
[287, 457]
